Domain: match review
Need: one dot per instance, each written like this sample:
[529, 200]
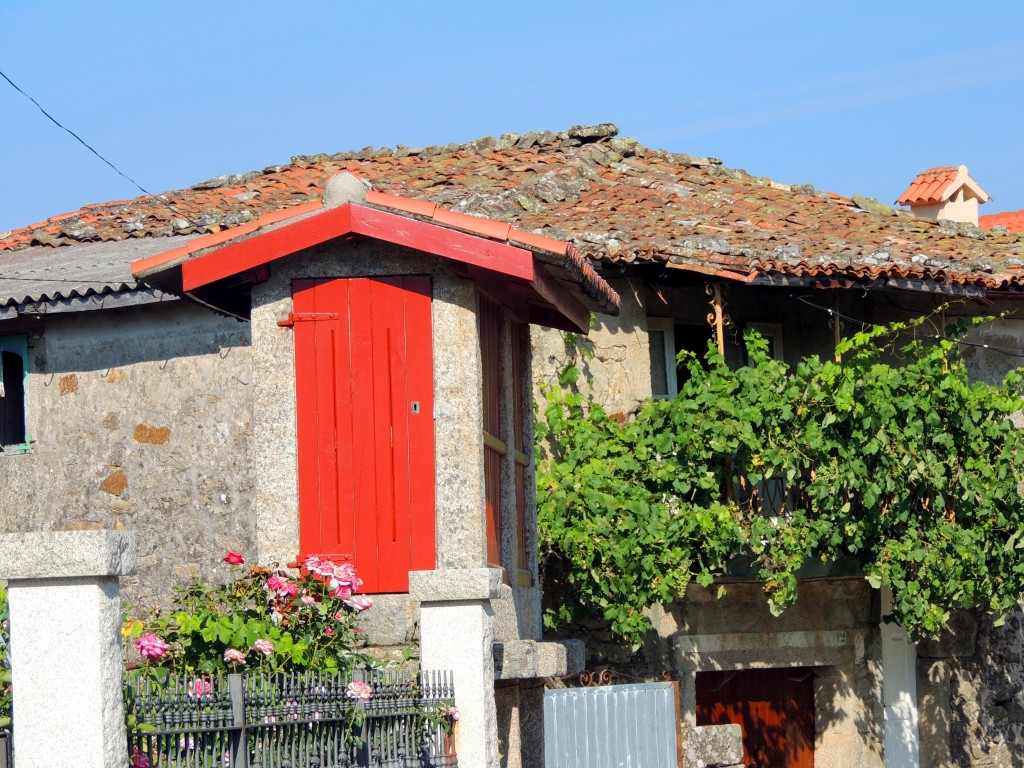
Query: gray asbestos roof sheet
[45, 274]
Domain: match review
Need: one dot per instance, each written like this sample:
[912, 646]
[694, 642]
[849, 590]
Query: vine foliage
[892, 457]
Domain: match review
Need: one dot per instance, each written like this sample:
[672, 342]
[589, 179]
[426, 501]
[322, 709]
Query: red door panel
[774, 707]
[364, 389]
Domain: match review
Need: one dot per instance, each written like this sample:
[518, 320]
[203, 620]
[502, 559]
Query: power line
[936, 336]
[85, 144]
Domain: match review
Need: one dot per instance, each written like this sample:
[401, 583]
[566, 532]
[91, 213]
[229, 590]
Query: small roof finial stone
[345, 188]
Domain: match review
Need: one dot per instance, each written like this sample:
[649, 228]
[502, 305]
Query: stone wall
[613, 358]
[141, 419]
[970, 683]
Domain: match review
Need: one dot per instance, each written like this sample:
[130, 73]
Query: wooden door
[364, 390]
[775, 708]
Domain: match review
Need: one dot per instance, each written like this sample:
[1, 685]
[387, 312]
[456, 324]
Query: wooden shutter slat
[419, 357]
[306, 424]
[337, 528]
[363, 418]
[366, 463]
[388, 331]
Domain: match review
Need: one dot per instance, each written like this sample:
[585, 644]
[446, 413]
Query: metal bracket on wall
[306, 317]
[717, 317]
[603, 677]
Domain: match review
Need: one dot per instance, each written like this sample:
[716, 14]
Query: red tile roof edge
[476, 225]
[1012, 220]
[167, 258]
[579, 270]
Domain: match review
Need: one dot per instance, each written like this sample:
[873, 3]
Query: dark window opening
[12, 397]
[693, 339]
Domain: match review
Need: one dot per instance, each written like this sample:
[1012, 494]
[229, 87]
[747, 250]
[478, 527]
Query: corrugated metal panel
[614, 726]
[43, 273]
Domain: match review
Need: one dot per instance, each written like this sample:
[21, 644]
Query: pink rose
[359, 691]
[264, 646]
[307, 599]
[453, 712]
[200, 687]
[326, 568]
[234, 656]
[312, 562]
[345, 573]
[341, 591]
[282, 586]
[151, 647]
[359, 603]
[233, 558]
[139, 760]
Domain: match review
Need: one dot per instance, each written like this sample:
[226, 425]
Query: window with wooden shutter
[494, 447]
[364, 389]
[521, 404]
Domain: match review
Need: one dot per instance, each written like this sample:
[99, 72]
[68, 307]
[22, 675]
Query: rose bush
[263, 618]
[6, 695]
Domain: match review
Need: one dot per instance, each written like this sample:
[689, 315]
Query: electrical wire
[936, 336]
[85, 144]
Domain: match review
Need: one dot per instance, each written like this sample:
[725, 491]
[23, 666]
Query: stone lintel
[712, 745]
[524, 659]
[453, 584]
[66, 554]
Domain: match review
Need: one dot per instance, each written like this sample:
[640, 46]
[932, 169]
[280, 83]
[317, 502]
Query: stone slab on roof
[617, 201]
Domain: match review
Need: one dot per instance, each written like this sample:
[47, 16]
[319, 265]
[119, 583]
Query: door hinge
[306, 317]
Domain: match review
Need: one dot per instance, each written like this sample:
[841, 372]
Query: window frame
[17, 343]
[490, 324]
[666, 325]
[521, 450]
[772, 331]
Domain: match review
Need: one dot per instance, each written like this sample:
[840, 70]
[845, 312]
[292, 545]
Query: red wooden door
[364, 389]
[775, 708]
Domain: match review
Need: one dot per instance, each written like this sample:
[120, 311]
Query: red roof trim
[449, 243]
[496, 230]
[237, 257]
[208, 241]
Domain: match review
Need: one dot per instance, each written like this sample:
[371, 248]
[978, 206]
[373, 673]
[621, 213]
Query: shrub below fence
[292, 720]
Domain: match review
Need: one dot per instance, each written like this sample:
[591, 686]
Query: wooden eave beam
[559, 297]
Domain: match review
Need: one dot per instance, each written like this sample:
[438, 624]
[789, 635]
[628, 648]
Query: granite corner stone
[67, 554]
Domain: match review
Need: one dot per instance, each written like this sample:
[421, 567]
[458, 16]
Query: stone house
[160, 415]
[371, 408]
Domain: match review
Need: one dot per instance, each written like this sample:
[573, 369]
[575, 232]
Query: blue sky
[852, 98]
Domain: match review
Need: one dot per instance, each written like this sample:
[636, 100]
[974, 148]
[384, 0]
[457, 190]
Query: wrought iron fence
[307, 720]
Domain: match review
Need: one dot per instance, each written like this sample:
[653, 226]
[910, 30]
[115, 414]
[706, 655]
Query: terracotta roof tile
[1013, 221]
[616, 200]
[928, 186]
